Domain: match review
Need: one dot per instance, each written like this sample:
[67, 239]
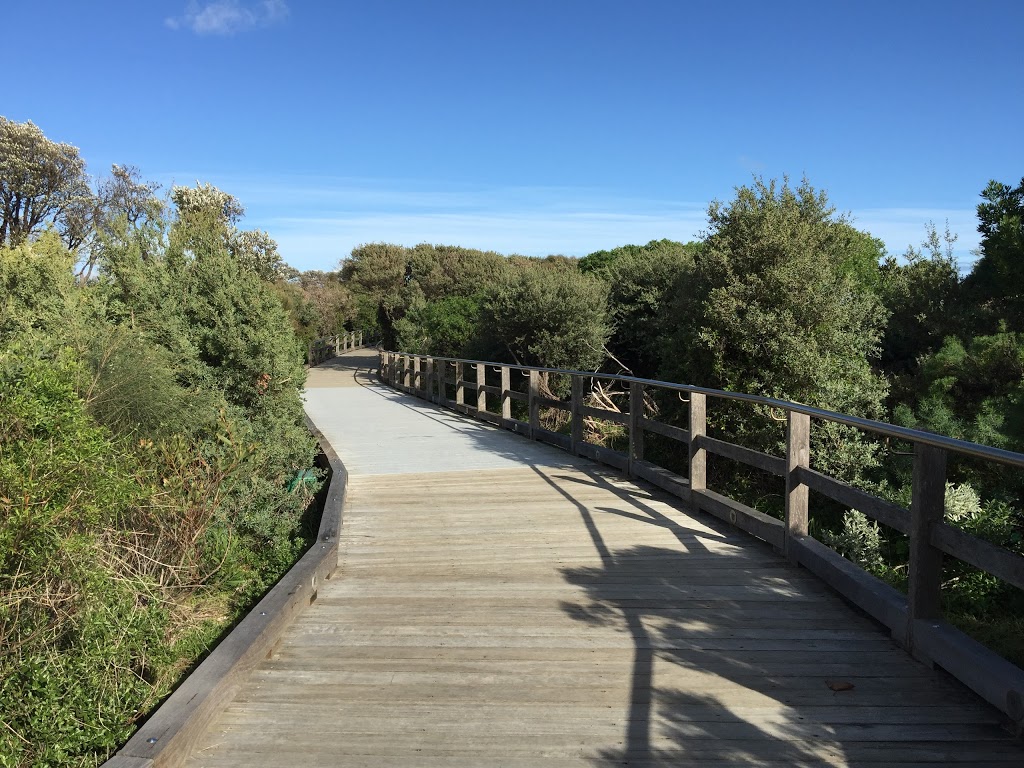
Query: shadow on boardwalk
[733, 649]
[749, 677]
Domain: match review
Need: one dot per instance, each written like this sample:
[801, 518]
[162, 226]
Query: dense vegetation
[150, 431]
[150, 421]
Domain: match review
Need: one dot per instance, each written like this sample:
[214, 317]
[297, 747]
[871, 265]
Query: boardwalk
[500, 603]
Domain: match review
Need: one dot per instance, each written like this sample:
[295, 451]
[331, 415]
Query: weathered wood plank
[555, 613]
[763, 461]
[996, 560]
[604, 414]
[666, 430]
[878, 509]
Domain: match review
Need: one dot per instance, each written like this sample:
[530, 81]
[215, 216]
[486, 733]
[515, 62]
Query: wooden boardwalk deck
[500, 603]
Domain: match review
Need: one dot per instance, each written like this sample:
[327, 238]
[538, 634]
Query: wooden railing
[330, 346]
[915, 619]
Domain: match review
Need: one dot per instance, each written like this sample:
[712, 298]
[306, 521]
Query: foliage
[922, 295]
[75, 637]
[388, 281]
[640, 279]
[445, 327]
[150, 423]
[35, 286]
[858, 540]
[41, 182]
[555, 318]
[997, 281]
[770, 308]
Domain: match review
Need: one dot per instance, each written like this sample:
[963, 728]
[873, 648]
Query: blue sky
[528, 127]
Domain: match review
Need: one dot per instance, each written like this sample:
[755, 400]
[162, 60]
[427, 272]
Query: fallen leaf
[840, 685]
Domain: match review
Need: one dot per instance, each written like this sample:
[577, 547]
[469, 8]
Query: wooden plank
[606, 415]
[604, 455]
[663, 478]
[698, 456]
[756, 459]
[576, 411]
[490, 418]
[522, 397]
[636, 420]
[553, 438]
[988, 674]
[798, 455]
[743, 517]
[481, 388]
[547, 402]
[534, 403]
[556, 613]
[666, 430]
[869, 593]
[878, 509]
[984, 555]
[927, 508]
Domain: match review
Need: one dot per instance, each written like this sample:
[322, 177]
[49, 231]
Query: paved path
[499, 603]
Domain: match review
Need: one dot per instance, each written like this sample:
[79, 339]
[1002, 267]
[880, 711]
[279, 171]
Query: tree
[545, 315]
[390, 281]
[640, 278]
[997, 281]
[207, 217]
[41, 182]
[772, 309]
[922, 295]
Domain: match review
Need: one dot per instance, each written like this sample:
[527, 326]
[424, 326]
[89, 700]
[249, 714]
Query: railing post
[927, 507]
[359, 339]
[441, 374]
[506, 398]
[698, 455]
[798, 454]
[460, 393]
[636, 425]
[481, 380]
[428, 379]
[406, 372]
[417, 375]
[534, 404]
[576, 407]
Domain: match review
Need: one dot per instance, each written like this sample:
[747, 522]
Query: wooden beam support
[698, 455]
[798, 454]
[927, 507]
[636, 425]
[577, 414]
[533, 404]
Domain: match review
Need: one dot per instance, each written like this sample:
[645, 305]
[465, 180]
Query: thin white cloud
[228, 17]
[317, 220]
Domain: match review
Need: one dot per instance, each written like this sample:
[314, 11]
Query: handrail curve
[915, 619]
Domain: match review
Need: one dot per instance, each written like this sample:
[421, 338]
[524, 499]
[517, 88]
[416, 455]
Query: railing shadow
[668, 624]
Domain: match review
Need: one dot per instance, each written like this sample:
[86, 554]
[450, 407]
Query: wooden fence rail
[915, 619]
[330, 346]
